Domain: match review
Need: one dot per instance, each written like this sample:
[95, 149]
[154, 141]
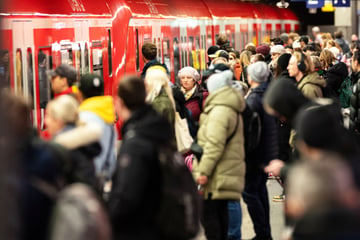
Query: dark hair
[309, 48]
[277, 41]
[132, 91]
[149, 50]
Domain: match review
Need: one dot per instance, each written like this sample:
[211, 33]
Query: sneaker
[279, 198]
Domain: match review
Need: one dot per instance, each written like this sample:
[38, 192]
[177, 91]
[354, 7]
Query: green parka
[223, 163]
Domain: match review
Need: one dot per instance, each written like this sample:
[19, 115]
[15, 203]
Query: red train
[105, 36]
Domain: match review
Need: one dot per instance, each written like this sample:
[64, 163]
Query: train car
[105, 37]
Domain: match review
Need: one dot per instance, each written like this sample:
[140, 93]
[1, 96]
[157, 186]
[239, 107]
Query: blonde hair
[155, 80]
[64, 108]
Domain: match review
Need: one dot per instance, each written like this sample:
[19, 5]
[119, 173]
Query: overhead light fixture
[282, 4]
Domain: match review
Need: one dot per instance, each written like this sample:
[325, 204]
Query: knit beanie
[91, 85]
[258, 71]
[190, 72]
[277, 49]
[219, 80]
[263, 49]
[283, 61]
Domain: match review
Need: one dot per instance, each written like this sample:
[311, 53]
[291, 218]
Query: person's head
[222, 39]
[189, 76]
[256, 58]
[91, 85]
[149, 51]
[327, 58]
[355, 63]
[257, 73]
[220, 54]
[245, 58]
[300, 65]
[293, 37]
[282, 64]
[276, 41]
[354, 38]
[338, 34]
[315, 30]
[289, 49]
[296, 45]
[284, 38]
[318, 67]
[219, 80]
[309, 49]
[251, 48]
[63, 77]
[211, 51]
[232, 57]
[60, 112]
[304, 40]
[263, 49]
[276, 51]
[156, 80]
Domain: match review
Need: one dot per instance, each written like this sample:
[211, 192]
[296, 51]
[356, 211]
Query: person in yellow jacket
[99, 109]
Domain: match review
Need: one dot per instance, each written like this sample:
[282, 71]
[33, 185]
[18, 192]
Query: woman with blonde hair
[159, 93]
[82, 140]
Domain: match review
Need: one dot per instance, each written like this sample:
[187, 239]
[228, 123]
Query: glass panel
[183, 52]
[209, 41]
[66, 54]
[137, 50]
[77, 50]
[233, 40]
[4, 69]
[18, 70]
[30, 75]
[44, 65]
[191, 47]
[166, 53]
[97, 57]
[86, 68]
[109, 52]
[176, 58]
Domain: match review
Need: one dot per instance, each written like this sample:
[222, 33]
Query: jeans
[215, 219]
[255, 196]
[235, 220]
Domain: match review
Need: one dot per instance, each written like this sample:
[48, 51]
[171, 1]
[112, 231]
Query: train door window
[202, 52]
[176, 56]
[97, 57]
[30, 75]
[18, 71]
[44, 64]
[4, 69]
[166, 52]
[86, 68]
[192, 54]
[209, 41]
[109, 52]
[159, 49]
[196, 53]
[77, 52]
[137, 50]
[66, 54]
[183, 52]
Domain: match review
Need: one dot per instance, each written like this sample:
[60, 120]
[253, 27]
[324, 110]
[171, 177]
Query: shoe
[279, 198]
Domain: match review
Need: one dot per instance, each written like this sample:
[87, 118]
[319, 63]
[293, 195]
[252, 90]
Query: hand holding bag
[182, 133]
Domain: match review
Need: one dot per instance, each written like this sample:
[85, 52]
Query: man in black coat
[135, 197]
[255, 193]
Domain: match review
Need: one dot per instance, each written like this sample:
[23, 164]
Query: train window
[196, 53]
[4, 69]
[18, 69]
[183, 52]
[232, 37]
[176, 58]
[159, 49]
[137, 50]
[77, 51]
[97, 57]
[86, 68]
[166, 52]
[109, 52]
[30, 74]
[44, 64]
[66, 54]
[209, 40]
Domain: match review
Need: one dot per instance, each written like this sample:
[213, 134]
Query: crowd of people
[302, 91]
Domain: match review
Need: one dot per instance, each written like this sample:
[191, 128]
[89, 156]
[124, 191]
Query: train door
[256, 33]
[81, 47]
[278, 30]
[176, 57]
[244, 35]
[24, 81]
[183, 46]
[230, 33]
[193, 33]
[142, 34]
[167, 50]
[268, 32]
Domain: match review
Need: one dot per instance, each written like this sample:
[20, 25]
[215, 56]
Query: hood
[313, 78]
[284, 98]
[146, 122]
[103, 106]
[226, 96]
[340, 69]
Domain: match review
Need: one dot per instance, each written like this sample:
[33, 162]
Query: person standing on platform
[63, 79]
[149, 52]
[255, 193]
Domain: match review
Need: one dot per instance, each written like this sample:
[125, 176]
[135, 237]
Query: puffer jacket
[334, 76]
[355, 105]
[311, 85]
[223, 163]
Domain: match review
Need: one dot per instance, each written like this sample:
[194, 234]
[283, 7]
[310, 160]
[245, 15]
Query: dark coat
[153, 62]
[268, 147]
[334, 76]
[355, 105]
[135, 197]
[196, 102]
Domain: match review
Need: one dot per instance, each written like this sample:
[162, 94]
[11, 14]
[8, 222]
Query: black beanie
[283, 61]
[91, 85]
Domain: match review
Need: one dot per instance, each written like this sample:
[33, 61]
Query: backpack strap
[234, 132]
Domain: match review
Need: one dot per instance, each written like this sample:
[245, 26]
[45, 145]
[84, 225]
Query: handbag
[182, 134]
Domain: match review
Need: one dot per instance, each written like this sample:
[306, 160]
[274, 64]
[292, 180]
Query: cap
[212, 49]
[220, 53]
[66, 71]
[91, 85]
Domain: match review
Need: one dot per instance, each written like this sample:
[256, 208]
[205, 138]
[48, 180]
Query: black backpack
[252, 129]
[179, 214]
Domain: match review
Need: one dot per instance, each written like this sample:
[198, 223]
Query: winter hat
[216, 68]
[263, 49]
[296, 44]
[220, 53]
[283, 60]
[91, 85]
[335, 51]
[66, 71]
[277, 49]
[190, 72]
[258, 71]
[219, 80]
